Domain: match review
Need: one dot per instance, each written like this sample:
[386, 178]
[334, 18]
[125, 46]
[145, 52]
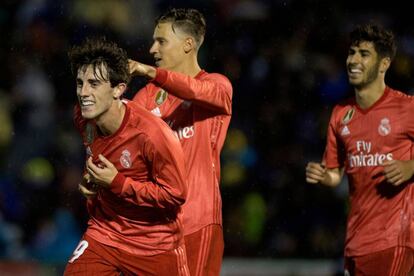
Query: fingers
[315, 172]
[91, 165]
[394, 177]
[312, 180]
[103, 173]
[390, 174]
[388, 163]
[106, 162]
[97, 169]
[86, 179]
[393, 173]
[86, 192]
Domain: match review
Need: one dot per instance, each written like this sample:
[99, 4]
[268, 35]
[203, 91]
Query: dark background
[286, 61]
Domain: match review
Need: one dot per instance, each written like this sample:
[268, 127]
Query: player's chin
[357, 82]
[158, 63]
[88, 114]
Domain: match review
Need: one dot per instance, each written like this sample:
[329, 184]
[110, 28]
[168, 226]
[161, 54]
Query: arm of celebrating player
[317, 173]
[168, 188]
[213, 92]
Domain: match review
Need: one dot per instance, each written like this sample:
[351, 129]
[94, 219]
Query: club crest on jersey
[125, 159]
[90, 133]
[348, 116]
[161, 97]
[384, 128]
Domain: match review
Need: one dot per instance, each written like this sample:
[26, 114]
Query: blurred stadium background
[286, 62]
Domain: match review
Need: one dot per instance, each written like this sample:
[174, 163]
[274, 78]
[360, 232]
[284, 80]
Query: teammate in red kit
[370, 137]
[197, 106]
[135, 174]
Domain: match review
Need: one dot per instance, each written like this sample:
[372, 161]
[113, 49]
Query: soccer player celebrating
[197, 106]
[370, 137]
[135, 174]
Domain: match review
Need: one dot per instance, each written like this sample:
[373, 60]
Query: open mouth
[354, 72]
[157, 60]
[86, 104]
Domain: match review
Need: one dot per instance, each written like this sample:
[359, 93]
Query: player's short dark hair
[99, 52]
[189, 21]
[383, 40]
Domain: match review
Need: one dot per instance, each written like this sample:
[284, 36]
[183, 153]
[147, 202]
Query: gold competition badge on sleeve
[348, 116]
[161, 97]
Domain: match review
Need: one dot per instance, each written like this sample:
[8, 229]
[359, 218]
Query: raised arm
[214, 91]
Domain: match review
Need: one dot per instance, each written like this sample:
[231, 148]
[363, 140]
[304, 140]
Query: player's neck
[109, 122]
[370, 94]
[190, 67]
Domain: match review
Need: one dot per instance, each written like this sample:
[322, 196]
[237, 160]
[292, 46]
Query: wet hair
[100, 54]
[189, 21]
[383, 40]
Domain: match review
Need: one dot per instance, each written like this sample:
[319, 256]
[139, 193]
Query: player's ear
[189, 44]
[119, 90]
[384, 64]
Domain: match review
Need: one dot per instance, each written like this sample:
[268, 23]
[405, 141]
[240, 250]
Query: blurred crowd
[286, 60]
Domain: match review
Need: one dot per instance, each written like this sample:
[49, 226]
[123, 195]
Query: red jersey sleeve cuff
[118, 183]
[161, 76]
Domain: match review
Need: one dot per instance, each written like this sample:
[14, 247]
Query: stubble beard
[372, 75]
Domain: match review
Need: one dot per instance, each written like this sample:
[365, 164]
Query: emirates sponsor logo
[384, 128]
[184, 133]
[125, 159]
[364, 157]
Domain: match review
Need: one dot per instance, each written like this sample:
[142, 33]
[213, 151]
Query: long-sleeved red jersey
[140, 213]
[199, 111]
[381, 215]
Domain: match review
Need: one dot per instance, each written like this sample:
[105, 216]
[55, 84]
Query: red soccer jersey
[381, 215]
[139, 213]
[199, 111]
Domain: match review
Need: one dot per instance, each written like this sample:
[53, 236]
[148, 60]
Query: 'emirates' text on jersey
[199, 111]
[381, 215]
[139, 214]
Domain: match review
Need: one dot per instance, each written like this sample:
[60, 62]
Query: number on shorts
[79, 250]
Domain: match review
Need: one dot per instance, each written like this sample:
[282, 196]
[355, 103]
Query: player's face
[363, 64]
[95, 94]
[168, 46]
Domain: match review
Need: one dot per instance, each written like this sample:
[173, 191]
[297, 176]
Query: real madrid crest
[348, 116]
[125, 159]
[384, 128]
[90, 133]
[161, 97]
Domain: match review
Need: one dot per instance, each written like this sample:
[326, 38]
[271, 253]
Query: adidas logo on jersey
[156, 111]
[345, 131]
